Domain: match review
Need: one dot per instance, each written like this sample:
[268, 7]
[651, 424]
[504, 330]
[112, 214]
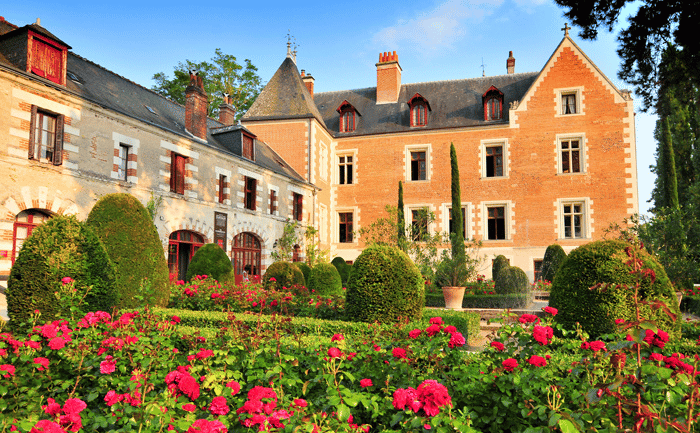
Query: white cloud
[439, 28]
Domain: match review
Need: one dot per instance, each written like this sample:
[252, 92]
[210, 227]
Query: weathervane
[566, 29]
[291, 52]
[483, 68]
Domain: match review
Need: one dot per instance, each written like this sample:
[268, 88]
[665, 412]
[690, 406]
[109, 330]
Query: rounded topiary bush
[127, 231]
[500, 262]
[343, 268]
[554, 256]
[325, 280]
[305, 269]
[212, 261]
[282, 274]
[596, 310]
[60, 247]
[384, 286]
[511, 279]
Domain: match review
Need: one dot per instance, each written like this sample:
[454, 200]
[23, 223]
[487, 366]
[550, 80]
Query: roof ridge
[430, 82]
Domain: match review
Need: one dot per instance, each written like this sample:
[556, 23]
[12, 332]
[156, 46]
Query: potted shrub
[452, 276]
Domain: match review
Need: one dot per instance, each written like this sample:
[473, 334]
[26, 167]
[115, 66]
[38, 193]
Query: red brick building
[545, 157]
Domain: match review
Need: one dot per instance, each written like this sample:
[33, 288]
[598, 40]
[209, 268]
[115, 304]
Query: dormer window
[348, 117]
[419, 108]
[248, 147]
[47, 58]
[493, 104]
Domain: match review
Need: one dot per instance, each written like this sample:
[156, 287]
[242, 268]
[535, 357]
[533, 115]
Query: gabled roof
[454, 104]
[284, 97]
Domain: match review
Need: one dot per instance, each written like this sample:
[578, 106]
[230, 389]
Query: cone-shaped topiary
[282, 274]
[554, 256]
[511, 279]
[212, 261]
[343, 268]
[305, 269]
[385, 286]
[606, 261]
[61, 247]
[127, 231]
[499, 263]
[325, 280]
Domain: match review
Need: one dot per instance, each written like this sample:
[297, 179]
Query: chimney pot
[388, 78]
[510, 63]
[308, 82]
[196, 107]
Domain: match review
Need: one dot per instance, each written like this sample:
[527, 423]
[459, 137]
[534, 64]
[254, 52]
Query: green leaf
[343, 412]
[567, 426]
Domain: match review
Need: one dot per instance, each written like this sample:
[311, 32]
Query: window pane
[575, 164]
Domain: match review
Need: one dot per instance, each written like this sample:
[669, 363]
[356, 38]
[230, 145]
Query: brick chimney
[388, 78]
[196, 107]
[227, 112]
[510, 63]
[308, 82]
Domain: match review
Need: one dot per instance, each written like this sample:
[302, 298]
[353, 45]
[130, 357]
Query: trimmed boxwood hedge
[282, 274]
[605, 261]
[499, 263]
[384, 286]
[553, 258]
[305, 269]
[131, 239]
[511, 279]
[212, 261]
[343, 268]
[324, 279]
[513, 300]
[60, 247]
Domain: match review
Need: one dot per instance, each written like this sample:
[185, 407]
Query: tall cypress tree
[400, 221]
[457, 234]
[669, 173]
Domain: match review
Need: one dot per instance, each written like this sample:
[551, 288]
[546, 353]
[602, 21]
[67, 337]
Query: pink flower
[74, 405]
[433, 396]
[108, 365]
[398, 352]
[175, 319]
[57, 343]
[189, 407]
[551, 310]
[415, 333]
[66, 280]
[456, 340]
[8, 369]
[529, 318]
[112, 397]
[204, 354]
[542, 334]
[510, 364]
[51, 408]
[337, 337]
[498, 346]
[46, 426]
[656, 357]
[235, 387]
[43, 363]
[273, 279]
[433, 329]
[406, 397]
[436, 321]
[334, 352]
[537, 361]
[364, 383]
[597, 345]
[300, 402]
[189, 386]
[449, 329]
[218, 406]
[206, 426]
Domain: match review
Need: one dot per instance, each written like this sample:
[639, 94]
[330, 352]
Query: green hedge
[512, 300]
[467, 323]
[691, 304]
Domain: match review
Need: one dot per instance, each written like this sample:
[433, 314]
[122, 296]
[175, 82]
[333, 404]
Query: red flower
[658, 339]
[175, 319]
[415, 333]
[74, 405]
[551, 310]
[498, 346]
[398, 352]
[433, 396]
[43, 363]
[189, 386]
[300, 402]
[510, 364]
[8, 369]
[235, 387]
[456, 340]
[57, 343]
[189, 407]
[334, 352]
[337, 337]
[218, 406]
[206, 426]
[449, 329]
[529, 318]
[364, 383]
[46, 426]
[436, 320]
[66, 280]
[204, 354]
[597, 345]
[52, 408]
[537, 361]
[406, 397]
[108, 365]
[542, 334]
[433, 329]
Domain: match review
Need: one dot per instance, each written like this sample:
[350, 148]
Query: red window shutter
[46, 60]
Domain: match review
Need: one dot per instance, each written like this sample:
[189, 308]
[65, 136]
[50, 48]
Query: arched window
[246, 254]
[181, 248]
[493, 104]
[25, 222]
[419, 108]
[348, 117]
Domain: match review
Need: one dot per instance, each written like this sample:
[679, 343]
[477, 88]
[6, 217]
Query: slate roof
[454, 103]
[114, 92]
[285, 96]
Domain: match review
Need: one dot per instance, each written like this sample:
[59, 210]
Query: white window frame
[428, 161]
[559, 95]
[586, 224]
[336, 225]
[506, 157]
[583, 145]
[351, 153]
[467, 206]
[133, 144]
[408, 217]
[508, 215]
[218, 172]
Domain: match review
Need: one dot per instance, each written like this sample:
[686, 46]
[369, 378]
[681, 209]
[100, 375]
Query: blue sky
[337, 42]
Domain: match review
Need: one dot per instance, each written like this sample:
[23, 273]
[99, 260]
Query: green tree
[649, 29]
[284, 246]
[221, 75]
[457, 235]
[400, 221]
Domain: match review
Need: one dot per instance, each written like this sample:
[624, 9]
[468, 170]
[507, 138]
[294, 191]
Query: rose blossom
[498, 346]
[537, 361]
[43, 363]
[364, 383]
[218, 406]
[398, 352]
[337, 337]
[9, 370]
[108, 365]
[206, 426]
[510, 364]
[235, 387]
[300, 402]
[551, 310]
[542, 334]
[334, 352]
[529, 318]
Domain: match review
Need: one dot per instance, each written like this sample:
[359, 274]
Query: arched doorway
[181, 247]
[25, 222]
[246, 255]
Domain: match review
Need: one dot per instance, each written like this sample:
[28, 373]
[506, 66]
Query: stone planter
[453, 297]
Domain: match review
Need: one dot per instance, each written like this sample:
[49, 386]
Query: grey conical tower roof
[284, 97]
